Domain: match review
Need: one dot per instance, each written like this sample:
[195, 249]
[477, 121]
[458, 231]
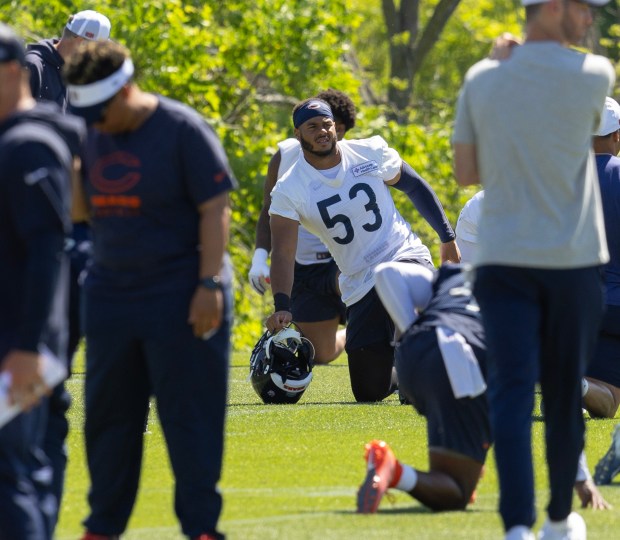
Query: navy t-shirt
[144, 188]
[609, 178]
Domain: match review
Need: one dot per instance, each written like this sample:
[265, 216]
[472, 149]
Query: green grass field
[291, 472]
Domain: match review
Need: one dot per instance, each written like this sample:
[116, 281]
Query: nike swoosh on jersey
[35, 176]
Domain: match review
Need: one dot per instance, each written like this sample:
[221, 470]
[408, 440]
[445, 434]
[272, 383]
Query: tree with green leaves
[410, 45]
[243, 64]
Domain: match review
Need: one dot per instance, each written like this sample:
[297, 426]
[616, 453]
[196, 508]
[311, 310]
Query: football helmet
[281, 366]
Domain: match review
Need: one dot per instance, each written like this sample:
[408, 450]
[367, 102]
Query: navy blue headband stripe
[315, 107]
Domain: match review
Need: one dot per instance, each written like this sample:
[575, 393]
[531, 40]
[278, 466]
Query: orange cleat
[380, 476]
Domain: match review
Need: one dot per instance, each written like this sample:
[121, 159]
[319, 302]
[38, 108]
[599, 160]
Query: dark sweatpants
[54, 442]
[539, 325]
[142, 346]
[27, 507]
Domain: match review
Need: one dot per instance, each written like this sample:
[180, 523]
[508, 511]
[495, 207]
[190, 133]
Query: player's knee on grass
[600, 412]
[459, 500]
[601, 399]
[370, 370]
[451, 503]
[326, 338]
[450, 483]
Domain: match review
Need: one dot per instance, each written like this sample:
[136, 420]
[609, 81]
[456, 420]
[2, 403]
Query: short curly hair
[341, 105]
[94, 61]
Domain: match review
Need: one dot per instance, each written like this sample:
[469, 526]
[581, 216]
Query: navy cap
[310, 109]
[11, 46]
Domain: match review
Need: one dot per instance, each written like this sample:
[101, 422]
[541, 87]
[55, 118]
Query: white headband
[86, 95]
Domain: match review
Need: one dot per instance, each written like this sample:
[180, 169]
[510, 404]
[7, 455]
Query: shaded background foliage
[243, 64]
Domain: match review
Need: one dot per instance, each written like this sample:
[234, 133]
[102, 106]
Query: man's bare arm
[466, 164]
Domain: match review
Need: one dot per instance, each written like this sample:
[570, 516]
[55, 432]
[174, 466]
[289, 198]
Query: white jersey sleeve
[404, 290]
[467, 224]
[310, 250]
[467, 228]
[377, 158]
[284, 204]
[290, 150]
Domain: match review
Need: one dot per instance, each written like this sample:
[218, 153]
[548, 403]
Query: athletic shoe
[209, 536]
[574, 528]
[609, 465]
[92, 536]
[520, 532]
[381, 468]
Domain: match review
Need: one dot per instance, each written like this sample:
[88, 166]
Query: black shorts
[314, 297]
[460, 425]
[605, 364]
[368, 322]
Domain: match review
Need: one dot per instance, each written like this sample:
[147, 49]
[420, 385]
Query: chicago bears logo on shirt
[113, 176]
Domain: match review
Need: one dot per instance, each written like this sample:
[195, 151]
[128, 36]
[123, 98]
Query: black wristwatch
[212, 282]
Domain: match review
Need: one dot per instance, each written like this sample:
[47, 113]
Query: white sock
[408, 479]
[558, 526]
[584, 387]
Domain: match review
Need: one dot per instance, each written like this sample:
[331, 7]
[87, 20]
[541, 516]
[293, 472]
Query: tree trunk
[409, 48]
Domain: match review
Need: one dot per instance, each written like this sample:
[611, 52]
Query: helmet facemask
[281, 366]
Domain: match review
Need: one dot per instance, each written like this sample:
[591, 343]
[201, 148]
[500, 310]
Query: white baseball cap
[591, 2]
[610, 119]
[90, 25]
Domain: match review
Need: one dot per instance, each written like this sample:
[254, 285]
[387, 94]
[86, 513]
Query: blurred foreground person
[157, 297]
[541, 234]
[441, 365]
[37, 145]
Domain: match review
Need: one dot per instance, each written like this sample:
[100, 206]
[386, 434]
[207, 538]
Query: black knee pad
[371, 372]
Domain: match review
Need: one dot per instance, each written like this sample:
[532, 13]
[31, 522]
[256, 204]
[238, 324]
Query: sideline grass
[292, 471]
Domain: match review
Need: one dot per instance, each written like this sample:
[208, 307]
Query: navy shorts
[314, 297]
[460, 425]
[605, 364]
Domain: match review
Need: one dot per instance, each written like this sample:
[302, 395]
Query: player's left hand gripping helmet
[281, 366]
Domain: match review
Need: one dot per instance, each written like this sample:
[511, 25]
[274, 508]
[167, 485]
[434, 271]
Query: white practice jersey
[467, 228]
[310, 250]
[353, 213]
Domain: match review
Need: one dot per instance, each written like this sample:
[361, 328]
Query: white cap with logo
[610, 119]
[591, 2]
[90, 25]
